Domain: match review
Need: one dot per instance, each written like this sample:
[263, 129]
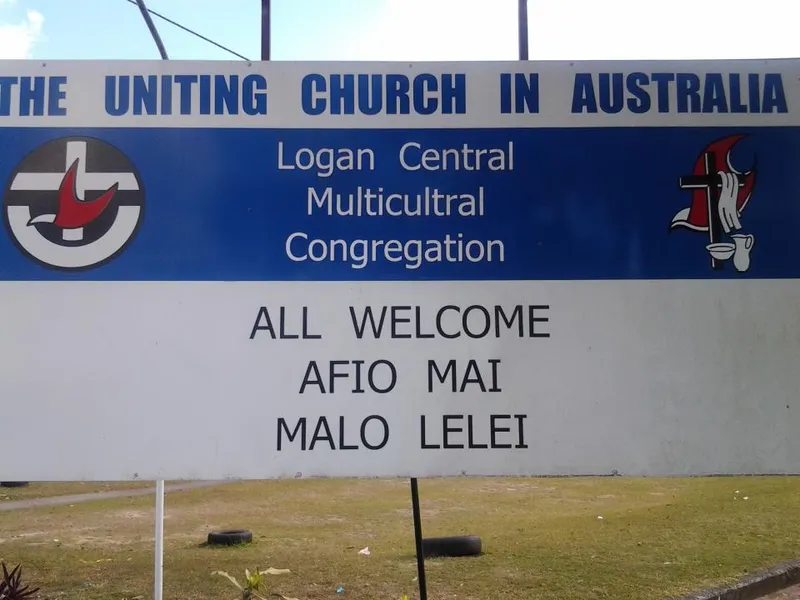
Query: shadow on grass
[436, 559]
[238, 545]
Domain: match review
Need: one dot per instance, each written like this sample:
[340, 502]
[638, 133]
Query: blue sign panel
[172, 182]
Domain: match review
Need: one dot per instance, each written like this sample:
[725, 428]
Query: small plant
[11, 587]
[253, 582]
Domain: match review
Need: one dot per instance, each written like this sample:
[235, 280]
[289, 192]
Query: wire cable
[194, 33]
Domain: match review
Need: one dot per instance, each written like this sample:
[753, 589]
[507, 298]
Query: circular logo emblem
[73, 203]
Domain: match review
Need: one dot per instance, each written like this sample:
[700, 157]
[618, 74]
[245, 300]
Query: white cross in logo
[40, 182]
[73, 257]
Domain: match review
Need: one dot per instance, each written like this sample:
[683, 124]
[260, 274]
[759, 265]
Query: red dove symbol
[73, 213]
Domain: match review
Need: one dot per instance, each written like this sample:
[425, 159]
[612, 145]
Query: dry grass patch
[542, 538]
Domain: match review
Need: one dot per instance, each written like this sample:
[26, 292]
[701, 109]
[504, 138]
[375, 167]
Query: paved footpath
[792, 593]
[75, 498]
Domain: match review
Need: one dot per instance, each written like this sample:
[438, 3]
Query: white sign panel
[236, 270]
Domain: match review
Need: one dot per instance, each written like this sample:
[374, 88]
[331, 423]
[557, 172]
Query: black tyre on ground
[462, 545]
[230, 537]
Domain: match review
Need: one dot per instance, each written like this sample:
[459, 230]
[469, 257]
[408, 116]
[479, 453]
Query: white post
[159, 566]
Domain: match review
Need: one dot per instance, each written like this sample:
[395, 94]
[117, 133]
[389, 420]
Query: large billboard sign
[260, 270]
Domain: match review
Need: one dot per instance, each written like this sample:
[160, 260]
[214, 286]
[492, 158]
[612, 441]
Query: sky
[405, 30]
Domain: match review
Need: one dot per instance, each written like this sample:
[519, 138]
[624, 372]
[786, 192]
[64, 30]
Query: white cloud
[474, 30]
[674, 30]
[419, 30]
[17, 39]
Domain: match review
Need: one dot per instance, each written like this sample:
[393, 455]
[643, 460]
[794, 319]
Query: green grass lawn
[542, 538]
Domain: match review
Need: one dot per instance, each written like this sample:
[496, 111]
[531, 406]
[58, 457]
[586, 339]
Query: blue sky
[405, 29]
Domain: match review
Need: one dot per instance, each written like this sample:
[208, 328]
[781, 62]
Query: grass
[542, 538]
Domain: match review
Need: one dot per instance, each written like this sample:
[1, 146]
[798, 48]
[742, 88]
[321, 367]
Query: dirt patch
[136, 514]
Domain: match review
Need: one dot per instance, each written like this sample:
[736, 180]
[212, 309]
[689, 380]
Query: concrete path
[792, 593]
[75, 498]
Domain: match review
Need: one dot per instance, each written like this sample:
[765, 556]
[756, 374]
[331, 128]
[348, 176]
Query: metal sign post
[423, 588]
[153, 31]
[265, 29]
[158, 580]
[522, 26]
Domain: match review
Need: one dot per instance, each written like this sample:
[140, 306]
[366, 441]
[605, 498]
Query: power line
[194, 33]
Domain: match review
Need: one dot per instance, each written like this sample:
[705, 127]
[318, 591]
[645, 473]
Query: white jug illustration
[741, 256]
